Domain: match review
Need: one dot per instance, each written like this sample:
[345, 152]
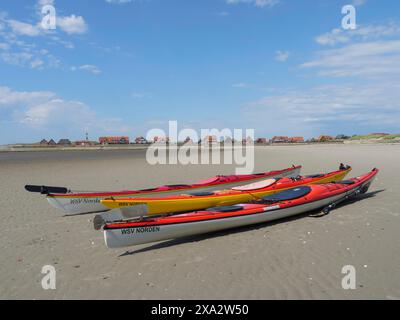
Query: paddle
[45, 189]
[360, 190]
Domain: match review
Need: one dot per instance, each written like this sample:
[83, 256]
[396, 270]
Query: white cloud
[42, 3]
[370, 106]
[358, 3]
[89, 68]
[72, 24]
[10, 98]
[17, 59]
[17, 50]
[282, 56]
[257, 3]
[371, 59]
[24, 29]
[43, 112]
[56, 111]
[37, 63]
[362, 33]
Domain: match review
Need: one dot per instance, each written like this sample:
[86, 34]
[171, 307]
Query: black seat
[320, 175]
[345, 182]
[178, 186]
[289, 194]
[201, 194]
[226, 209]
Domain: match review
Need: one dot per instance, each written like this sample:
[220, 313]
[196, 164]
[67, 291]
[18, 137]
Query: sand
[299, 258]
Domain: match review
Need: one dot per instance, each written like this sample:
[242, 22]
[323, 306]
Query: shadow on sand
[217, 234]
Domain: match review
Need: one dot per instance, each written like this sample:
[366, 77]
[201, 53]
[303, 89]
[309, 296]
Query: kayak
[281, 205]
[142, 207]
[72, 203]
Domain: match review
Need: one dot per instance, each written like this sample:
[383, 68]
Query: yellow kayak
[139, 207]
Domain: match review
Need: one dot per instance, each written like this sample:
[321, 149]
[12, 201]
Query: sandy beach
[298, 258]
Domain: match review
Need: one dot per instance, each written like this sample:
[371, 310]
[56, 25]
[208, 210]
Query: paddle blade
[45, 189]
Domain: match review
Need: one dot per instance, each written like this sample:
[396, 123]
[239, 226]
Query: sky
[124, 67]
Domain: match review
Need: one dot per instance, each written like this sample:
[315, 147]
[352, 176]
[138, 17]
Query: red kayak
[71, 203]
[281, 205]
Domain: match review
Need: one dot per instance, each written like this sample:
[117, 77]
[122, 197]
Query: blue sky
[282, 67]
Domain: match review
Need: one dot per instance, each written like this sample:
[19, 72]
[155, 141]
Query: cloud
[89, 68]
[37, 63]
[369, 100]
[320, 109]
[24, 29]
[16, 48]
[10, 98]
[371, 59]
[41, 112]
[42, 3]
[359, 3]
[72, 24]
[362, 33]
[257, 3]
[282, 56]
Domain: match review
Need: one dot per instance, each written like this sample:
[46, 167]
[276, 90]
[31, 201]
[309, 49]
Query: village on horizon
[212, 139]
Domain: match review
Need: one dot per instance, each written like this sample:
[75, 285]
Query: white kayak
[73, 203]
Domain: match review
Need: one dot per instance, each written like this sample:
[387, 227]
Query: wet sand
[298, 258]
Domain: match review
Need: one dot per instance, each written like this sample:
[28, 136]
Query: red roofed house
[280, 139]
[296, 139]
[114, 140]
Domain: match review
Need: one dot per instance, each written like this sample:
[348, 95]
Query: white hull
[80, 205]
[118, 238]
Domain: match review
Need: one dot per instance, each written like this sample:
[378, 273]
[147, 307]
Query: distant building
[324, 138]
[296, 139]
[248, 141]
[262, 140]
[342, 137]
[161, 139]
[44, 142]
[228, 140]
[140, 140]
[210, 140]
[114, 140]
[64, 142]
[52, 143]
[188, 140]
[280, 139]
[84, 143]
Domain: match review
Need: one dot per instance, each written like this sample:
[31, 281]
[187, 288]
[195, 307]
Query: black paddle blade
[45, 189]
